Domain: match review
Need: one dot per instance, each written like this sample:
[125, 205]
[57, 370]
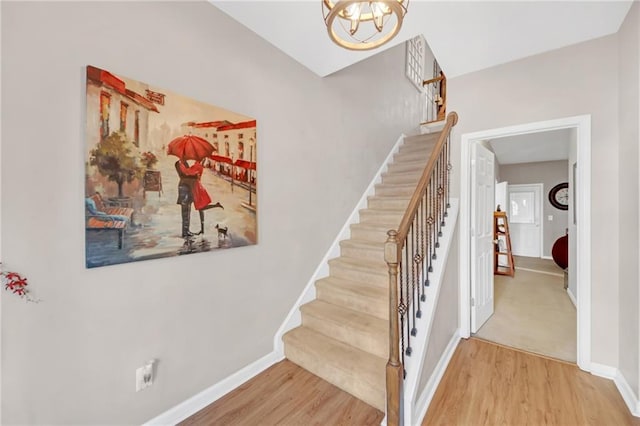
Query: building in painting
[234, 147]
[112, 107]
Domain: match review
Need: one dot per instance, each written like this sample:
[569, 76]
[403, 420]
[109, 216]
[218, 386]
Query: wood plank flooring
[485, 384]
[488, 384]
[285, 394]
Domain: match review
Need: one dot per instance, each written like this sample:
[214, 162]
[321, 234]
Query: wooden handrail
[433, 80]
[393, 256]
[405, 224]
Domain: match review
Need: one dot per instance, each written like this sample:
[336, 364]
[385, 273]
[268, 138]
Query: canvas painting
[166, 175]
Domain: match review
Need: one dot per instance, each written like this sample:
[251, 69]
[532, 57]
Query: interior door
[482, 208]
[525, 202]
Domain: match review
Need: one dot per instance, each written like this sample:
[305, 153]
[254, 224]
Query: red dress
[201, 197]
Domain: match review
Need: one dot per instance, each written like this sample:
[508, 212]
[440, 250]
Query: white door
[482, 207]
[525, 211]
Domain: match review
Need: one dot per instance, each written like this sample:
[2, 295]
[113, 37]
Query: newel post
[394, 367]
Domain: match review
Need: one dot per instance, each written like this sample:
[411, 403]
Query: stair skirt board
[414, 398]
[294, 318]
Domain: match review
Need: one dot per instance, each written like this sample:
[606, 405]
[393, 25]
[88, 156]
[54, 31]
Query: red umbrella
[190, 147]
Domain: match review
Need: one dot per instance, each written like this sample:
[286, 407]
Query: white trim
[546, 257]
[582, 124]
[294, 319]
[573, 300]
[602, 370]
[629, 396]
[197, 402]
[422, 405]
[415, 363]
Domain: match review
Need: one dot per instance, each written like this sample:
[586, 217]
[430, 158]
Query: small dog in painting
[222, 231]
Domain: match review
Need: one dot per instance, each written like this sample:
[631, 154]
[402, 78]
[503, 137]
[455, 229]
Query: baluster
[408, 349]
[423, 225]
[412, 254]
[449, 167]
[443, 174]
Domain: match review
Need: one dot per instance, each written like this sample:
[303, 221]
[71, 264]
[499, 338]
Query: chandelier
[363, 25]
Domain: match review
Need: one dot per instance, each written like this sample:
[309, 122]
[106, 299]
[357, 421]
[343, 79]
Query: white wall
[629, 89]
[549, 174]
[575, 80]
[71, 358]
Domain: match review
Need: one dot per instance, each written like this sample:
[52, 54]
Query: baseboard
[572, 297]
[294, 319]
[546, 257]
[197, 402]
[627, 393]
[422, 405]
[602, 370]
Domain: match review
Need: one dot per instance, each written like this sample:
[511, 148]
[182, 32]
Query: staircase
[344, 336]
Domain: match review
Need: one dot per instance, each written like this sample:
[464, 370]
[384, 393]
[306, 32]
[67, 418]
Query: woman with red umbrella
[190, 189]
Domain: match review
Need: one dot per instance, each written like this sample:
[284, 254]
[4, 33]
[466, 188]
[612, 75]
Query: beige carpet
[533, 312]
[537, 264]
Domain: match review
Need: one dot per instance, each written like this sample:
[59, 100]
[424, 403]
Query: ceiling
[551, 145]
[464, 36]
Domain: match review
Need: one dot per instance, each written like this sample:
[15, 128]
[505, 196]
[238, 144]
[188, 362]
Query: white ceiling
[464, 36]
[552, 145]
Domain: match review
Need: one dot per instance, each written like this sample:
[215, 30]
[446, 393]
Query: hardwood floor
[285, 394]
[487, 384]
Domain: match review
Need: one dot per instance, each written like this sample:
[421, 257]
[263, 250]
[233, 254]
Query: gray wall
[628, 68]
[549, 174]
[561, 83]
[445, 322]
[71, 359]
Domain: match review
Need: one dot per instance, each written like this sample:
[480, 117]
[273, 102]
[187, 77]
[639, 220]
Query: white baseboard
[546, 257]
[602, 370]
[430, 389]
[627, 393]
[197, 402]
[572, 297]
[612, 373]
[294, 319]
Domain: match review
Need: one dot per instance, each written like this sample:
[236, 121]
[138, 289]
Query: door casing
[582, 204]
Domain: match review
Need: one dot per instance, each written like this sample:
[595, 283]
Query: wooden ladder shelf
[502, 245]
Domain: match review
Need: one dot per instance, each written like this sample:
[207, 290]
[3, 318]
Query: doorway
[581, 126]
